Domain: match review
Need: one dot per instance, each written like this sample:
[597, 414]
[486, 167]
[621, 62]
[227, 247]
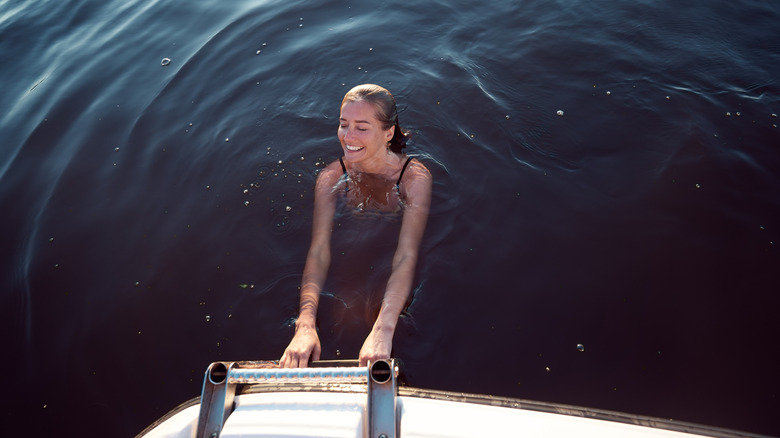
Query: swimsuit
[397, 183]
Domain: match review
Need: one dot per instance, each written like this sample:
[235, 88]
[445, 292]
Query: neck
[383, 164]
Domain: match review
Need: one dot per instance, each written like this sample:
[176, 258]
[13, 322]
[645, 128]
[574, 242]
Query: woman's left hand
[377, 346]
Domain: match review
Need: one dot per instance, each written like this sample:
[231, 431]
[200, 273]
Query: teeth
[353, 148]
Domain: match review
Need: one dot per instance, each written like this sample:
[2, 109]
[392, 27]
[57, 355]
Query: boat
[341, 399]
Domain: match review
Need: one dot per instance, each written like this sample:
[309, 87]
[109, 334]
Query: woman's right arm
[305, 344]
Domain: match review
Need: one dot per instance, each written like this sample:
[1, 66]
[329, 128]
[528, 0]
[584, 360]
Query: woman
[374, 174]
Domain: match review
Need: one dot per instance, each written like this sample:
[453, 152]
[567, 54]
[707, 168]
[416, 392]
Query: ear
[390, 133]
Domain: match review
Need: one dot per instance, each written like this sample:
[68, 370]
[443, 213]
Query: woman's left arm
[417, 190]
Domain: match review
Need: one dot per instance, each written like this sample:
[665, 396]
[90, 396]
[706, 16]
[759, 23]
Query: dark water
[643, 223]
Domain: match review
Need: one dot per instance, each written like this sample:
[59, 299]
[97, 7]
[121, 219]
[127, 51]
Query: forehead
[359, 110]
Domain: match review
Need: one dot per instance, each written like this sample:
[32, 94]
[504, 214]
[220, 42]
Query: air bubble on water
[165, 61]
[728, 113]
[288, 208]
[774, 115]
[580, 347]
[559, 112]
[246, 203]
[609, 93]
[698, 186]
[208, 318]
[738, 113]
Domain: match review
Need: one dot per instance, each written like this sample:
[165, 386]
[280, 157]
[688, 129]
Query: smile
[353, 148]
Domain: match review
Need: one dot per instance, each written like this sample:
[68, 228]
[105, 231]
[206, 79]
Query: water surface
[156, 218]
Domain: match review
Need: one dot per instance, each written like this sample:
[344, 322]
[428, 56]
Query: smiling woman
[377, 175]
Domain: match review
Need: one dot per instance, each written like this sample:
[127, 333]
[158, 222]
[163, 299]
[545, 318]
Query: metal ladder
[222, 379]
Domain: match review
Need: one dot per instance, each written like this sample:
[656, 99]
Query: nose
[348, 133]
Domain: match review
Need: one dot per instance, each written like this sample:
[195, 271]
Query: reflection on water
[139, 199]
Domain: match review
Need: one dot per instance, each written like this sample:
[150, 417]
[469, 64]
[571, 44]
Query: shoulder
[417, 172]
[330, 174]
[417, 179]
[327, 179]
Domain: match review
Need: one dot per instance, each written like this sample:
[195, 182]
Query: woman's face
[360, 133]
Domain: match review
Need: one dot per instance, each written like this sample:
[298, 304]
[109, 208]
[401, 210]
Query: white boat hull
[342, 410]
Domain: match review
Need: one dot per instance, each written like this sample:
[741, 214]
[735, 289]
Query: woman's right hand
[304, 345]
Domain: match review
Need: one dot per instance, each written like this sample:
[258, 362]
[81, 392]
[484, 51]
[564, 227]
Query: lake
[605, 221]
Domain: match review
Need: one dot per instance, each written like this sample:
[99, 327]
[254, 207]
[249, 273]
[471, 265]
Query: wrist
[384, 327]
[305, 322]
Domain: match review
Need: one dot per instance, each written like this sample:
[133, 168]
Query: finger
[316, 353]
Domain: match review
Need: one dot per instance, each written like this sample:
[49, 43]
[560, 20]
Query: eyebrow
[356, 121]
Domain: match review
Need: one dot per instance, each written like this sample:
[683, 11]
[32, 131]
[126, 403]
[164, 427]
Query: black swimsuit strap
[403, 169]
[397, 183]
